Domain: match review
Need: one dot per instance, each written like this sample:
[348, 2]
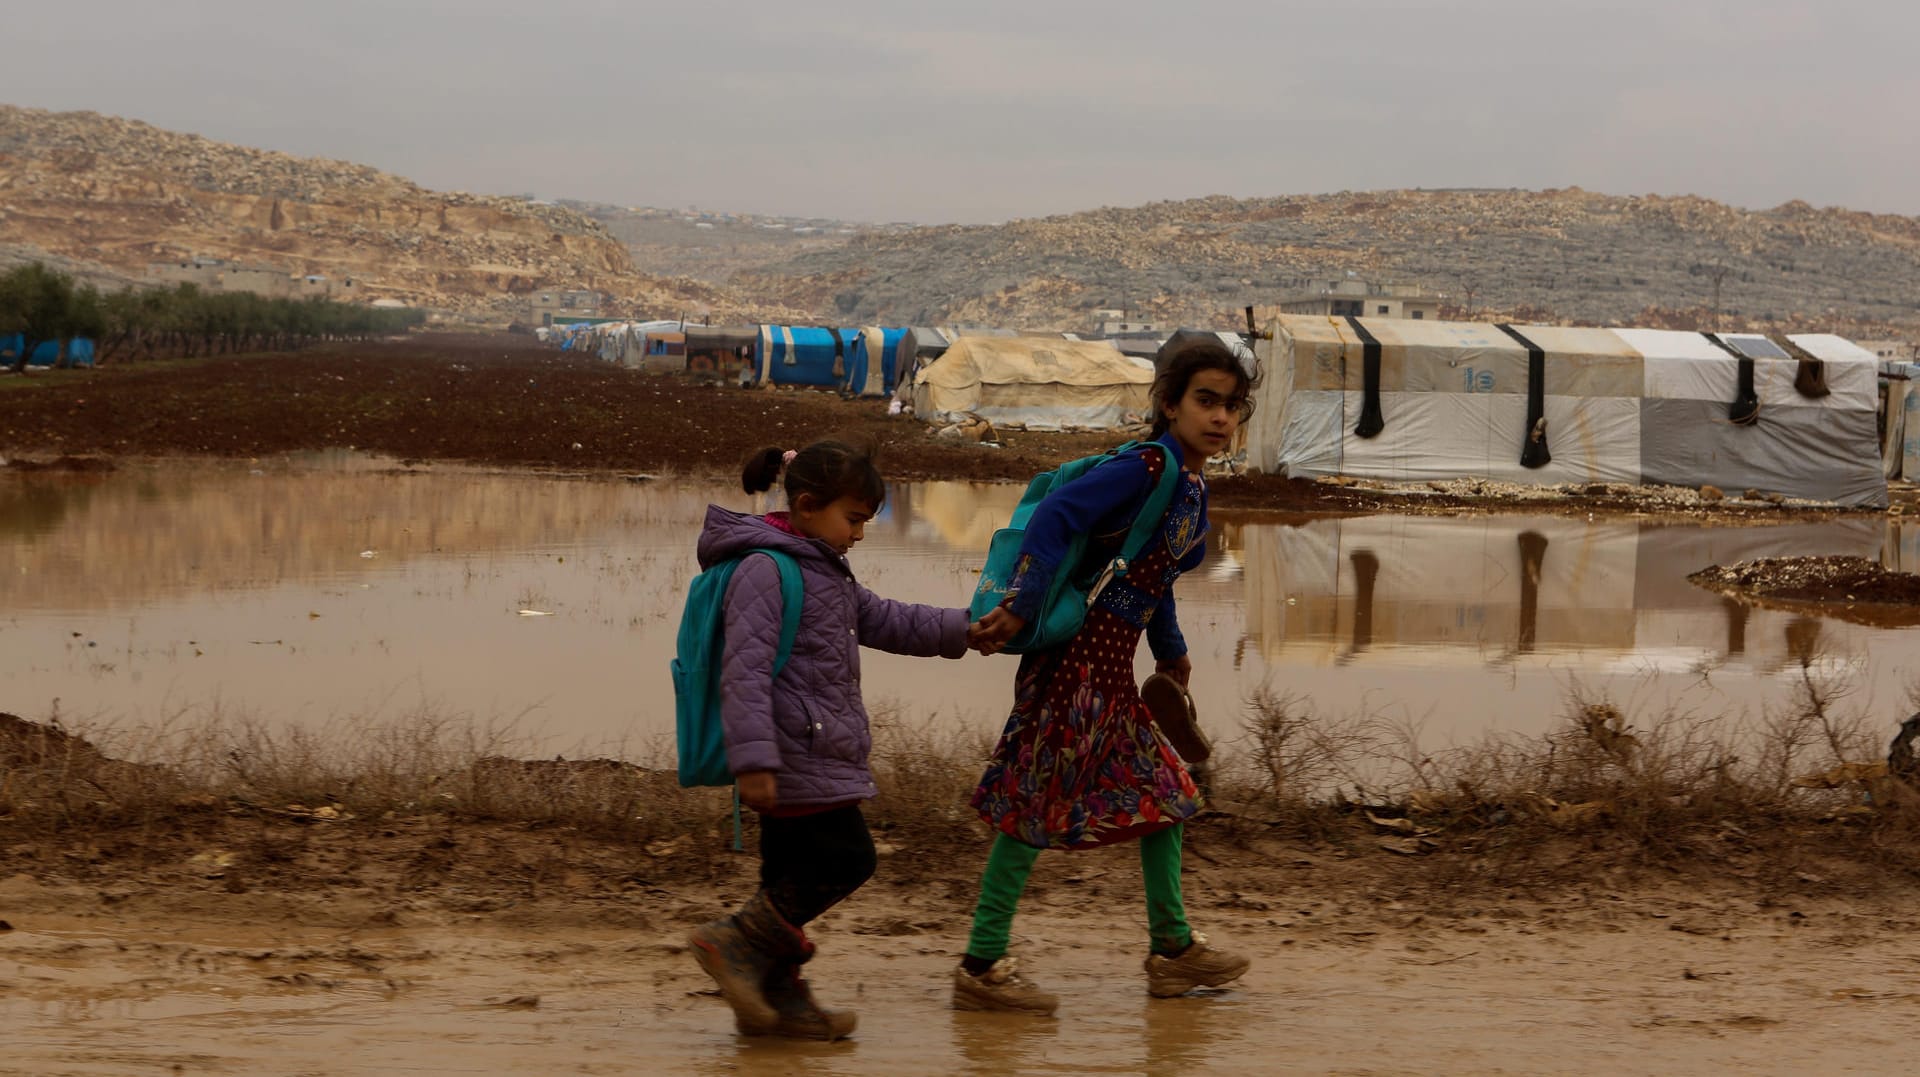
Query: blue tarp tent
[79, 351]
[865, 376]
[803, 355]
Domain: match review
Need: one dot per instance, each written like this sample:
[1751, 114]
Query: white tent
[1043, 383]
[1408, 400]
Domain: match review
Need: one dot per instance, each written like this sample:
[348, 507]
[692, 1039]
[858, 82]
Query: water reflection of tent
[1409, 400]
[1043, 383]
[1410, 588]
[963, 515]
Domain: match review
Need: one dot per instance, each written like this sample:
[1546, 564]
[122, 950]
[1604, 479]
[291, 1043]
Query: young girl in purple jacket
[798, 744]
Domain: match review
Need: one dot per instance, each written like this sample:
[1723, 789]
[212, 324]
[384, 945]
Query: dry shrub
[925, 772]
[52, 777]
[1292, 761]
[1675, 783]
[1655, 785]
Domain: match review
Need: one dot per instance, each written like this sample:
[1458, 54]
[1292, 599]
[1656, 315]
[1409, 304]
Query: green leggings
[1011, 862]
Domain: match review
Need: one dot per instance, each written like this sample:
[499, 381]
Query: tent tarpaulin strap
[1629, 405]
[802, 355]
[1037, 382]
[871, 363]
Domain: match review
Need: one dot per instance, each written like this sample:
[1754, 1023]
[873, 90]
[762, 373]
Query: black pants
[810, 863]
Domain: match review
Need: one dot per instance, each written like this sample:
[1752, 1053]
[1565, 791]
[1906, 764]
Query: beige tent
[1042, 383]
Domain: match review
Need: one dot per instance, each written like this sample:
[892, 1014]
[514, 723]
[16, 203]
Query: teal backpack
[1075, 586]
[696, 665]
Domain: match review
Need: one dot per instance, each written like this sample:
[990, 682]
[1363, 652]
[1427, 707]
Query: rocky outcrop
[1562, 254]
[107, 196]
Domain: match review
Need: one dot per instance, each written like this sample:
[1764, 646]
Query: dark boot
[740, 951]
[801, 1016]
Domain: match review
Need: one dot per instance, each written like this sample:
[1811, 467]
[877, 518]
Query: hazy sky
[990, 109]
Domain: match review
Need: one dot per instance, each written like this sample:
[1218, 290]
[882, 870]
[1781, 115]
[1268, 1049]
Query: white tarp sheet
[1629, 406]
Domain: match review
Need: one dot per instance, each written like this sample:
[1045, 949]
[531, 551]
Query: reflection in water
[1533, 550]
[1736, 624]
[1366, 569]
[1413, 586]
[347, 588]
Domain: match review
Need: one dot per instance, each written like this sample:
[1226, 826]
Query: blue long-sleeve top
[1102, 503]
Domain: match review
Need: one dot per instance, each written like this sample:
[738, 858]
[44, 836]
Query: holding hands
[989, 635]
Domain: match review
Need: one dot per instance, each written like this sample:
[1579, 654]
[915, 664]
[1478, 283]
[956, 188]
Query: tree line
[42, 304]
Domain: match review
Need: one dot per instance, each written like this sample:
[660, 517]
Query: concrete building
[1363, 299]
[1900, 351]
[1113, 321]
[547, 304]
[217, 275]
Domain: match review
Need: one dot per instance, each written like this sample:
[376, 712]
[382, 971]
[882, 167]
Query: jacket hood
[728, 534]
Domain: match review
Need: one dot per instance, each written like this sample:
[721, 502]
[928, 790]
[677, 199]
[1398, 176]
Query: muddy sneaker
[725, 953]
[801, 1017]
[1001, 988]
[1200, 966]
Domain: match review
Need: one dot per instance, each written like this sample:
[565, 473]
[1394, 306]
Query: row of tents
[1049, 381]
[46, 352]
[1809, 416]
[1401, 400]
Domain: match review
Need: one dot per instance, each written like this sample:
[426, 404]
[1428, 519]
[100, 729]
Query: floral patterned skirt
[1081, 762]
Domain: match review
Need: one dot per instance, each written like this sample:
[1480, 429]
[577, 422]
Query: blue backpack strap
[1154, 510]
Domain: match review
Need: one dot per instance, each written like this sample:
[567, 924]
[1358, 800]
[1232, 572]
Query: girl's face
[839, 523]
[1204, 419]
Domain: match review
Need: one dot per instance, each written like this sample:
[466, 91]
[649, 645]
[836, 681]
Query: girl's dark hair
[1183, 361]
[828, 470]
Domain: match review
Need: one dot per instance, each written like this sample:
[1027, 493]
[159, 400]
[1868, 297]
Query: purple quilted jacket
[810, 726]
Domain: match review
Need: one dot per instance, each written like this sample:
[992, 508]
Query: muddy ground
[220, 938]
[230, 943]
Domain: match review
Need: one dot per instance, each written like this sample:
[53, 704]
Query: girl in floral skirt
[1080, 763]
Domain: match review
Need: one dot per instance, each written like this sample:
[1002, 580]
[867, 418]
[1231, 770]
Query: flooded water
[335, 589]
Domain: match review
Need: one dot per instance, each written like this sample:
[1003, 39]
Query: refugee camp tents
[921, 342]
[1407, 400]
[802, 355]
[1145, 345]
[918, 346]
[46, 352]
[873, 361]
[722, 350]
[1900, 444]
[1043, 383]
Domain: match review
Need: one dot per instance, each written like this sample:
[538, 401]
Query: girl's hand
[1180, 669]
[758, 790]
[989, 635]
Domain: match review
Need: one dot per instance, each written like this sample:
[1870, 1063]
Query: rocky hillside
[105, 196]
[1561, 254]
